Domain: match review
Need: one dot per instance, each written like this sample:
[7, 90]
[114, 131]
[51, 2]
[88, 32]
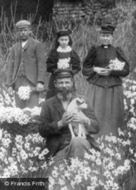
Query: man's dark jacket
[56, 138]
[33, 57]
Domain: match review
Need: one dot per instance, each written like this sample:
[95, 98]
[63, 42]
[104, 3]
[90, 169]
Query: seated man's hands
[66, 118]
[80, 118]
[73, 117]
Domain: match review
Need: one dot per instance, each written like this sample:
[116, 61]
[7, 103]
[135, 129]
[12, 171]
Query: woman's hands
[102, 71]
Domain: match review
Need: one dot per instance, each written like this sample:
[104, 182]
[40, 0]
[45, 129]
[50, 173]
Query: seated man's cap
[23, 24]
[63, 73]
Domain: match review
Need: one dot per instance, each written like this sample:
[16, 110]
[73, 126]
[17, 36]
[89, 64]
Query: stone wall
[91, 11]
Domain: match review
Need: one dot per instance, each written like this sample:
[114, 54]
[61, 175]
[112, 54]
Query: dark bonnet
[63, 33]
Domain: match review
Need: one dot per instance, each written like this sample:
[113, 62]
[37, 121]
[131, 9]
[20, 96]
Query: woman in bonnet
[62, 56]
[104, 66]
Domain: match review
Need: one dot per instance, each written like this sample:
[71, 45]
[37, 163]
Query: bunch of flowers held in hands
[24, 92]
[63, 63]
[116, 64]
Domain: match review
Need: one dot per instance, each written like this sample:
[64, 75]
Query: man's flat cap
[63, 73]
[23, 24]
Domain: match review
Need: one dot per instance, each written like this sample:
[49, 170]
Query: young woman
[104, 66]
[62, 56]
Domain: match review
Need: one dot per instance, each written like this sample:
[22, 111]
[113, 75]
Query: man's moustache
[64, 90]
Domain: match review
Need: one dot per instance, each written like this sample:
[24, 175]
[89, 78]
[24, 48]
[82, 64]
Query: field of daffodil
[24, 155]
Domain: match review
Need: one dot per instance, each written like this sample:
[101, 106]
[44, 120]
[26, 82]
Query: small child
[62, 56]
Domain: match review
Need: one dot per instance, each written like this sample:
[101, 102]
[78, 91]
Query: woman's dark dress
[52, 61]
[105, 92]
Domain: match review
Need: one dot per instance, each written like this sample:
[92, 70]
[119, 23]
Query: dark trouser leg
[77, 148]
[33, 101]
[19, 103]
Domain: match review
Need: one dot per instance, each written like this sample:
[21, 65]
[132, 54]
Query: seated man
[54, 120]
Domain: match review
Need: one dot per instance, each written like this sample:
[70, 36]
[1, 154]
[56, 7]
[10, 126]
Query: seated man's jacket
[57, 139]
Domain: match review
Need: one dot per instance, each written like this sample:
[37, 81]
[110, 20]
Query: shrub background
[84, 35]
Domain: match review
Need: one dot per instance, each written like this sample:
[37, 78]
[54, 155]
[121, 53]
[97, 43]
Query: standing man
[54, 120]
[26, 66]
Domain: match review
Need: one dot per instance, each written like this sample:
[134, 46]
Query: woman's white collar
[67, 49]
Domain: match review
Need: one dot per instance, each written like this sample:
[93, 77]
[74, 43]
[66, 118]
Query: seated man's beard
[24, 40]
[64, 91]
